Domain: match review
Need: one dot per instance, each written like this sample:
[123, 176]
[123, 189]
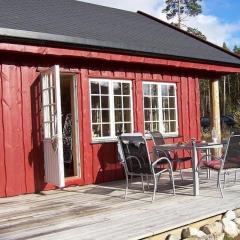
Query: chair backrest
[232, 154]
[135, 153]
[158, 139]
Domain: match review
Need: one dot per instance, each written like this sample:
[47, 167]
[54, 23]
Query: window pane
[118, 129]
[172, 115]
[94, 87]
[165, 115]
[105, 116]
[118, 116]
[173, 126]
[164, 90]
[127, 115]
[172, 102]
[104, 87]
[126, 88]
[127, 128]
[95, 102]
[146, 89]
[147, 102]
[106, 130]
[171, 91]
[126, 102]
[154, 90]
[96, 117]
[118, 102]
[154, 102]
[147, 127]
[147, 115]
[117, 88]
[96, 130]
[155, 115]
[165, 102]
[105, 103]
[155, 126]
[166, 127]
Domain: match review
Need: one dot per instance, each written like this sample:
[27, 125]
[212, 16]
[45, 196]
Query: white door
[52, 124]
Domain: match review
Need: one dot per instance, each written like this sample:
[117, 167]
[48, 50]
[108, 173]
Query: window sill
[175, 135]
[106, 140]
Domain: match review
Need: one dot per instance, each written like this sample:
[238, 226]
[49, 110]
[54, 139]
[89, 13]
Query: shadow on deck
[100, 212]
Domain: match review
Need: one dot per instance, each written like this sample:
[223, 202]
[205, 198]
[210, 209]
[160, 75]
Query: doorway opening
[70, 134]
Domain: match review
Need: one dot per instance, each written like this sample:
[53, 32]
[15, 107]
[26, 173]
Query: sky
[219, 20]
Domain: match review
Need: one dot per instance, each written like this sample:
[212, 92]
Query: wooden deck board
[100, 212]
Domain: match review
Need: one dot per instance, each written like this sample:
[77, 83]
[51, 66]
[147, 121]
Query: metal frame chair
[158, 139]
[134, 156]
[229, 162]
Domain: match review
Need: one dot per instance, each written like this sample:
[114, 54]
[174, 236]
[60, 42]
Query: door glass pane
[165, 115]
[147, 126]
[166, 126]
[164, 90]
[155, 126]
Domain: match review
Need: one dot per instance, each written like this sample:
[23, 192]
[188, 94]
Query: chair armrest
[159, 160]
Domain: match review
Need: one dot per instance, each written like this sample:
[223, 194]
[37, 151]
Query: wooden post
[215, 107]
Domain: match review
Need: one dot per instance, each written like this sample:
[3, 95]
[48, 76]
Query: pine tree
[181, 9]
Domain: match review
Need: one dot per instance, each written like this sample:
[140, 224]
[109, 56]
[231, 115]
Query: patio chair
[134, 156]
[229, 162]
[158, 139]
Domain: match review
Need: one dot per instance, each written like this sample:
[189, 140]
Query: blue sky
[219, 21]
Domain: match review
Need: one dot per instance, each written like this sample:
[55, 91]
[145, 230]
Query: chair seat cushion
[183, 159]
[214, 164]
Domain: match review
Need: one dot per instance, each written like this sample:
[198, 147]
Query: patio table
[192, 146]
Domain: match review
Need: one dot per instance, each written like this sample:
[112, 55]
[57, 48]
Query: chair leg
[155, 188]
[235, 177]
[181, 175]
[126, 189]
[142, 183]
[170, 171]
[220, 185]
[224, 179]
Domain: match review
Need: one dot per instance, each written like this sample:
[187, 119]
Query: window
[111, 108]
[160, 107]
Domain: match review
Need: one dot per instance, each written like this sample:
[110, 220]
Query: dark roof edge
[43, 39]
[188, 34]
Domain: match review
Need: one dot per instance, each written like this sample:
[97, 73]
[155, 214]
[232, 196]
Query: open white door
[52, 123]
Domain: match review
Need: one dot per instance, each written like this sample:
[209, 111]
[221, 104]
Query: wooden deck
[100, 212]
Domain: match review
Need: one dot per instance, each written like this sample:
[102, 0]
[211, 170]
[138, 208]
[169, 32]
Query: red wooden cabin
[85, 73]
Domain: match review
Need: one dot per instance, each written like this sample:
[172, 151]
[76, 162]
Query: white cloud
[216, 31]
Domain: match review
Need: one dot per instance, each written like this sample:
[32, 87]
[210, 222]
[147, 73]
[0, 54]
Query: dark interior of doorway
[67, 104]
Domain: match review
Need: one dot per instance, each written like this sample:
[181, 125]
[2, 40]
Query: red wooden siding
[21, 152]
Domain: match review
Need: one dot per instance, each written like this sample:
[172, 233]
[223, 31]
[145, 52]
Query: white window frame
[111, 108]
[160, 108]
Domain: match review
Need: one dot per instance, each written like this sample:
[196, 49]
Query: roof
[93, 26]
